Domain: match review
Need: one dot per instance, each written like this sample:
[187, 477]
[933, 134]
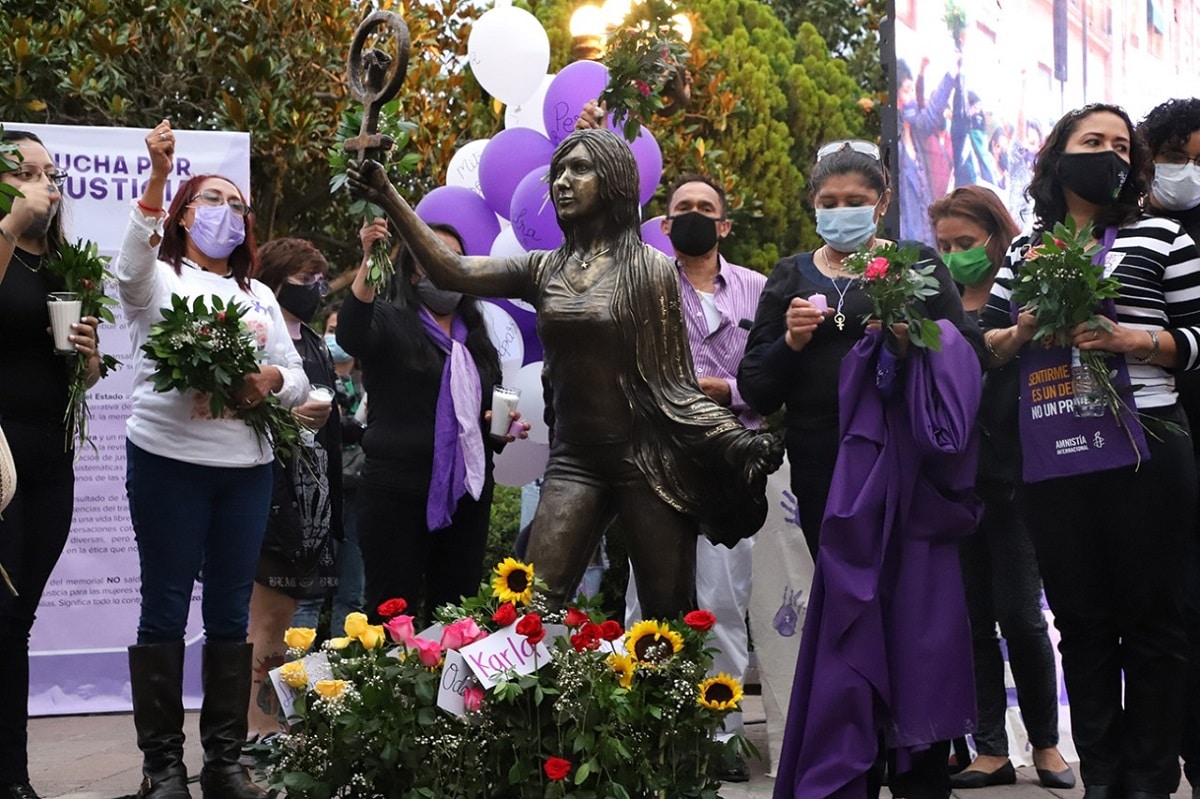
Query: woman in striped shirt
[1111, 544]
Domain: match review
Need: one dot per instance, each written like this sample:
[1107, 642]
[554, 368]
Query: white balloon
[463, 169]
[529, 113]
[521, 462]
[504, 333]
[533, 401]
[506, 244]
[509, 52]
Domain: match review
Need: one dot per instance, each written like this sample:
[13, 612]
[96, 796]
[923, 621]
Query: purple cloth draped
[887, 644]
[458, 458]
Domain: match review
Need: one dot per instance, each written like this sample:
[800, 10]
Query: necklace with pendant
[24, 263]
[584, 263]
[839, 318]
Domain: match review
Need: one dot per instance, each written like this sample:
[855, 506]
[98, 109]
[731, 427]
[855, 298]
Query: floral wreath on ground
[578, 708]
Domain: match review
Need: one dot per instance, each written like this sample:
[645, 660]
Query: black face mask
[300, 301]
[693, 233]
[1095, 177]
[439, 301]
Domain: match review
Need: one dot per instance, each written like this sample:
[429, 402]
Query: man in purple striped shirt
[719, 301]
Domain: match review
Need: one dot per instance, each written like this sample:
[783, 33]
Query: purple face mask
[217, 231]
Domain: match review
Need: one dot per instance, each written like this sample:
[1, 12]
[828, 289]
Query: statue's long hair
[617, 172]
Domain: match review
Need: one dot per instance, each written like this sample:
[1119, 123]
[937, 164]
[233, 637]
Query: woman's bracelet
[11, 238]
[987, 342]
[1153, 348]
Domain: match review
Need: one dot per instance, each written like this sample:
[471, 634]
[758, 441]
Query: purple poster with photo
[1057, 443]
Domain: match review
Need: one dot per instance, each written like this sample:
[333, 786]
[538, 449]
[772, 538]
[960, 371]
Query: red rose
[556, 768]
[611, 630]
[701, 620]
[1060, 243]
[392, 607]
[505, 615]
[530, 625]
[591, 630]
[536, 638]
[580, 642]
[575, 618]
[588, 637]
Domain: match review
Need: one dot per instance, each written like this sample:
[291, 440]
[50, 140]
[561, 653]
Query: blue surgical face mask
[335, 350]
[848, 228]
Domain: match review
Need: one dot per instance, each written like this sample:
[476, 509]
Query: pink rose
[877, 268]
[460, 633]
[473, 698]
[400, 629]
[430, 652]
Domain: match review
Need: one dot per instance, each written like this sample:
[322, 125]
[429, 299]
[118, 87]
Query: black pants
[1112, 547]
[33, 533]
[404, 558]
[1003, 586]
[812, 455]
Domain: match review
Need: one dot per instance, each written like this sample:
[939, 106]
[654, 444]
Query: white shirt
[174, 424]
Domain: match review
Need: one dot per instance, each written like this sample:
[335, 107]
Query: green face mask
[969, 266]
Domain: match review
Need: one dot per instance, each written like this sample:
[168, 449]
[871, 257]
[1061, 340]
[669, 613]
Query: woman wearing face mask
[199, 488]
[1000, 573]
[1112, 544]
[871, 506]
[850, 193]
[298, 559]
[1172, 135]
[422, 537]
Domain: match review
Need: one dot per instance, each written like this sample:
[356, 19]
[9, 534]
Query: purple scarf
[458, 460]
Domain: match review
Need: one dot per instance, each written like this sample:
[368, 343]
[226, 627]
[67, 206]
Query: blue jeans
[194, 521]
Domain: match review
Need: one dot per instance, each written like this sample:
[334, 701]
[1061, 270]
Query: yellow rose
[293, 674]
[300, 638]
[373, 636]
[356, 623]
[330, 689]
[338, 643]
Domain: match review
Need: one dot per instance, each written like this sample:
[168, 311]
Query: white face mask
[1176, 187]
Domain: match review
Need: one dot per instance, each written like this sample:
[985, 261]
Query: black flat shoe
[1056, 779]
[1005, 775]
[18, 790]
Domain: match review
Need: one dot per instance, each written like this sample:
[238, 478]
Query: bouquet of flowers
[644, 55]
[891, 277]
[380, 269]
[1061, 285]
[209, 350]
[10, 159]
[553, 704]
[955, 18]
[85, 272]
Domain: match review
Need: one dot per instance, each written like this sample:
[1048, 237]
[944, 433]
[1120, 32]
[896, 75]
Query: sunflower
[622, 665]
[652, 642]
[720, 693]
[513, 581]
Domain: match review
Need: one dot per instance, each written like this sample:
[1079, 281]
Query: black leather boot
[156, 676]
[226, 676]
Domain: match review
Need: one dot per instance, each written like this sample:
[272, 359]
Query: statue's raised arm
[481, 276]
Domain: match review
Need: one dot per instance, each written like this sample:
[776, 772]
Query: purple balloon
[649, 159]
[652, 234]
[576, 84]
[508, 157]
[466, 212]
[533, 218]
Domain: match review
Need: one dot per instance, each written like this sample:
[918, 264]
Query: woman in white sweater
[199, 488]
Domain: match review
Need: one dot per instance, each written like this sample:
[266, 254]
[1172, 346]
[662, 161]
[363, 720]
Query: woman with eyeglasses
[33, 402]
[298, 559]
[884, 666]
[422, 537]
[199, 488]
[1112, 542]
[1000, 572]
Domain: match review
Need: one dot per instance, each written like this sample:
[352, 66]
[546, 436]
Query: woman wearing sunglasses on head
[884, 663]
[1113, 540]
[199, 487]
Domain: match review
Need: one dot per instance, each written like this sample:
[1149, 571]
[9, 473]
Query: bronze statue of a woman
[633, 433]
